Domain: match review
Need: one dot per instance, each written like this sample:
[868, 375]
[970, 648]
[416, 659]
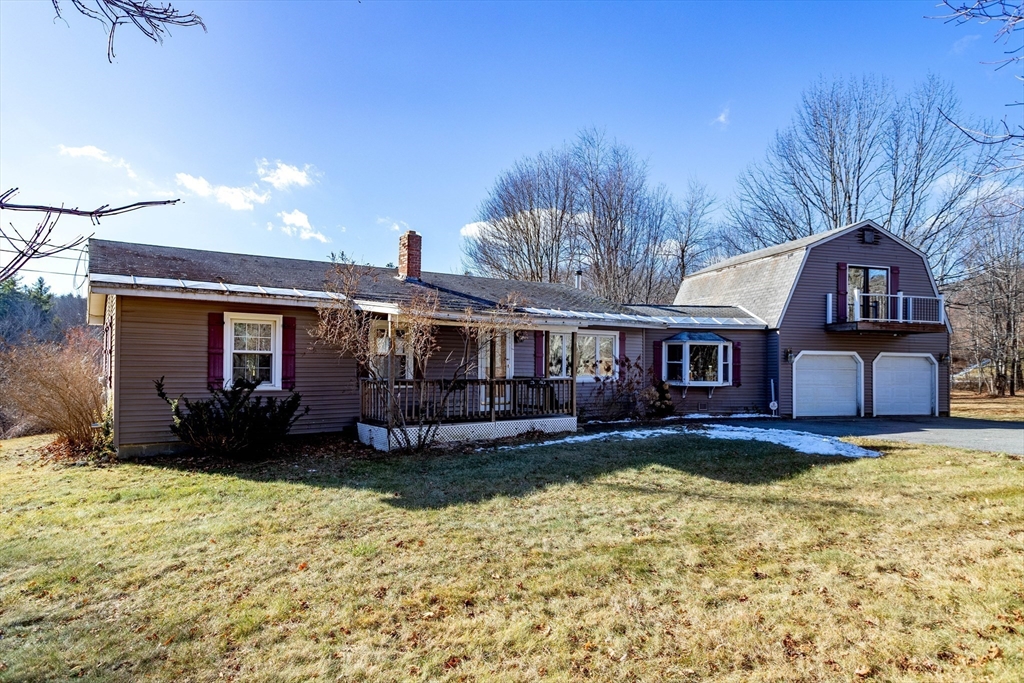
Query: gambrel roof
[763, 280]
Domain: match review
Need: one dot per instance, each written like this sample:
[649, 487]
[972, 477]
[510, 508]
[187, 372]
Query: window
[381, 345]
[254, 349]
[595, 355]
[559, 358]
[704, 364]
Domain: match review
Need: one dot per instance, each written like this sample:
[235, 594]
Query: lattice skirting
[377, 437]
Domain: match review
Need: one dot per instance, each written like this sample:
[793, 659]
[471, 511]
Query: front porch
[463, 409]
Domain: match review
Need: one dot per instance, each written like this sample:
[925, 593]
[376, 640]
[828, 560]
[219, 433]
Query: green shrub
[231, 422]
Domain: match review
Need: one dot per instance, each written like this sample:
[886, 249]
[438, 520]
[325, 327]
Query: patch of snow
[730, 416]
[802, 442]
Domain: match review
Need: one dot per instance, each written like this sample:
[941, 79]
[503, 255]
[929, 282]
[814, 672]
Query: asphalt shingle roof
[760, 281]
[455, 292]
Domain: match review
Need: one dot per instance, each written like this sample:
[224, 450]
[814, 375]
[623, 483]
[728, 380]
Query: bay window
[697, 359]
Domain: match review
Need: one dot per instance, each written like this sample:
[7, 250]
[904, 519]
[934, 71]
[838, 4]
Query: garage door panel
[826, 385]
[903, 385]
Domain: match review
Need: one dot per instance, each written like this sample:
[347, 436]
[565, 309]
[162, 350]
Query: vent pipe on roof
[579, 279]
[410, 247]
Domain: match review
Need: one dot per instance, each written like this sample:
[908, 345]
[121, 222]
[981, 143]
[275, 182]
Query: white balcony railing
[890, 308]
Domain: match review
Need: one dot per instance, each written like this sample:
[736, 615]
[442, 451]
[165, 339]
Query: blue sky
[297, 129]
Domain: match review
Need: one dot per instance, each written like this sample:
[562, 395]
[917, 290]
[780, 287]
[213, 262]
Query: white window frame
[686, 363]
[566, 354]
[276, 322]
[386, 325]
[614, 336]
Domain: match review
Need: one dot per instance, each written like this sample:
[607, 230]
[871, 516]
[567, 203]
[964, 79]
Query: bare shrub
[56, 385]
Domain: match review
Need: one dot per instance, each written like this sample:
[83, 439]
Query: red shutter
[215, 350]
[841, 304]
[622, 344]
[894, 287]
[736, 364]
[538, 353]
[288, 353]
[656, 369]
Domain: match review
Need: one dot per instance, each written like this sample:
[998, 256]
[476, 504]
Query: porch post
[899, 306]
[572, 374]
[392, 398]
[856, 305]
[490, 379]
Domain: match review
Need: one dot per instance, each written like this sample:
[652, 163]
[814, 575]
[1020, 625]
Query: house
[856, 324]
[737, 334]
[201, 318]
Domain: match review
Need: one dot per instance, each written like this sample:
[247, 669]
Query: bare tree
[1008, 16]
[589, 207]
[691, 230]
[526, 226]
[39, 243]
[988, 306]
[153, 20]
[856, 150]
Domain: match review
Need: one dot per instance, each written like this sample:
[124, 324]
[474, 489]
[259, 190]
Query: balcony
[885, 313]
[465, 409]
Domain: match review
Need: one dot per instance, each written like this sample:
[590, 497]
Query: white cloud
[397, 226]
[93, 152]
[283, 176]
[960, 46]
[296, 222]
[237, 198]
[722, 120]
[471, 230]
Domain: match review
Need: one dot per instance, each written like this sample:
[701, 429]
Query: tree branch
[94, 215]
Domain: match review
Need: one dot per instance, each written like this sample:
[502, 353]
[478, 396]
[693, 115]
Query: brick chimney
[410, 255]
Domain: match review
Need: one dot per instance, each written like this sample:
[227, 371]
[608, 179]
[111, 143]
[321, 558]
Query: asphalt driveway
[958, 432]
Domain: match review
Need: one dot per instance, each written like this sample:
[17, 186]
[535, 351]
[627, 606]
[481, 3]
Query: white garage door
[904, 385]
[825, 385]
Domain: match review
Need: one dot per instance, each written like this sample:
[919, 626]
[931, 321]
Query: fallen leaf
[303, 566]
[863, 672]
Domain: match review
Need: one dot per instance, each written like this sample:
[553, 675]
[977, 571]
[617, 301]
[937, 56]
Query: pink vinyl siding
[165, 337]
[802, 328]
[751, 396]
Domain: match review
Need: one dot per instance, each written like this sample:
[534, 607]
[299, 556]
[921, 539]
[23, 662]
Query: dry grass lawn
[985, 407]
[672, 559]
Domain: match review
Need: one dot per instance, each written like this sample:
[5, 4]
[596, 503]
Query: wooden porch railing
[467, 400]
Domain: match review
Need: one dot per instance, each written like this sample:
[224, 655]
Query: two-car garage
[831, 384]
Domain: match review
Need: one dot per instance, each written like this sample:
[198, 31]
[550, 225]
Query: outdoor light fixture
[788, 355]
[943, 357]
